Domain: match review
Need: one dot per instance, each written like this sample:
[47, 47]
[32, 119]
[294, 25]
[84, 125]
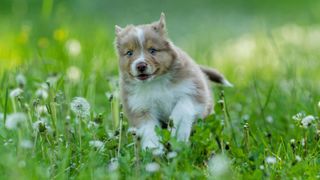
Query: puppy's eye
[129, 53]
[152, 51]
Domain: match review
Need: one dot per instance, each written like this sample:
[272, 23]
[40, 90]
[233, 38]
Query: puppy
[160, 82]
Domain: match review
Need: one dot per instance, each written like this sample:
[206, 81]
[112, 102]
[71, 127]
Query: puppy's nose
[142, 66]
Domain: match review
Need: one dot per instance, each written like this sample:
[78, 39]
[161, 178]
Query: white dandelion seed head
[292, 141]
[152, 167]
[73, 74]
[132, 130]
[298, 158]
[80, 106]
[41, 123]
[271, 160]
[13, 120]
[157, 152]
[52, 80]
[306, 121]
[298, 116]
[42, 93]
[99, 145]
[16, 92]
[261, 167]
[113, 165]
[269, 119]
[218, 165]
[21, 79]
[26, 144]
[172, 155]
[41, 110]
[73, 47]
[92, 124]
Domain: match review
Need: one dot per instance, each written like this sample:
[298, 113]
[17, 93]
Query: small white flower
[21, 80]
[26, 144]
[132, 130]
[306, 121]
[172, 155]
[97, 144]
[113, 165]
[80, 106]
[298, 116]
[152, 167]
[42, 93]
[292, 141]
[261, 167]
[73, 47]
[271, 160]
[269, 119]
[157, 152]
[16, 92]
[73, 74]
[13, 120]
[218, 165]
[298, 158]
[41, 110]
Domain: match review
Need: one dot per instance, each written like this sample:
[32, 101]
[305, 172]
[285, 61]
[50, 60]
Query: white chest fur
[158, 96]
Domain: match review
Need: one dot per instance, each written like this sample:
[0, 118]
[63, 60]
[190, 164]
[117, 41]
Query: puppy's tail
[215, 76]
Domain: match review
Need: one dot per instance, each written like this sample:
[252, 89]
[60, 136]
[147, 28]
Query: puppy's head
[144, 51]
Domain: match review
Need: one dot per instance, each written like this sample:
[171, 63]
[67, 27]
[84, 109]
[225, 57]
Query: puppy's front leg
[183, 116]
[149, 138]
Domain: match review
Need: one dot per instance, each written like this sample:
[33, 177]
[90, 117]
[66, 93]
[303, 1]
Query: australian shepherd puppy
[159, 82]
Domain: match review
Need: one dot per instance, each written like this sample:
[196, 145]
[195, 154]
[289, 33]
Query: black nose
[142, 66]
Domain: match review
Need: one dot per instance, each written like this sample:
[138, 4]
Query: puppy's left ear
[160, 26]
[117, 29]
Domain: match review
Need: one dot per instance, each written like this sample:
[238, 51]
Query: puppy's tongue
[143, 76]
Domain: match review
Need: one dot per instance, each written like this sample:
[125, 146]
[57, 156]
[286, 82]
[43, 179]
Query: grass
[257, 131]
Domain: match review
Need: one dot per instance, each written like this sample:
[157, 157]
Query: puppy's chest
[158, 98]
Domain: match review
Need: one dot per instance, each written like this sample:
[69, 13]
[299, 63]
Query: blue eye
[152, 51]
[129, 53]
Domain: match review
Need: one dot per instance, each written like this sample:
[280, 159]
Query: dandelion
[80, 106]
[113, 165]
[15, 119]
[26, 144]
[73, 74]
[41, 125]
[306, 121]
[152, 167]
[298, 117]
[41, 110]
[73, 47]
[16, 92]
[172, 155]
[132, 131]
[21, 80]
[42, 93]
[157, 152]
[261, 167]
[269, 119]
[218, 165]
[271, 160]
[298, 158]
[99, 145]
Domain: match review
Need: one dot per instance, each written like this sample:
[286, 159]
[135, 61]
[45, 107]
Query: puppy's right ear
[118, 30]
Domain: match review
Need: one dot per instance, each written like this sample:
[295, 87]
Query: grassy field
[53, 52]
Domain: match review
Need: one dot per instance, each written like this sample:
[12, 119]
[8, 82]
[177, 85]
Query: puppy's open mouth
[143, 76]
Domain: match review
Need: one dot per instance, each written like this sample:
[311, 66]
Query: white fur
[140, 35]
[148, 134]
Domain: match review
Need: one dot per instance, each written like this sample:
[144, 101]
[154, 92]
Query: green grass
[273, 63]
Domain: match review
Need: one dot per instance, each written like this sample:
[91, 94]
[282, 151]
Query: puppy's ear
[160, 26]
[118, 29]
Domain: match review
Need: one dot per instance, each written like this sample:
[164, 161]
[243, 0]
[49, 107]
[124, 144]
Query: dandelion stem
[120, 133]
[14, 106]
